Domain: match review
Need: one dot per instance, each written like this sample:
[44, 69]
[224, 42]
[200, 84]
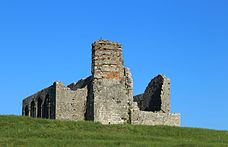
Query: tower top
[107, 61]
[106, 42]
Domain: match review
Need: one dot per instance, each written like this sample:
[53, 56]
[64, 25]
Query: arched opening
[33, 109]
[46, 109]
[39, 110]
[26, 111]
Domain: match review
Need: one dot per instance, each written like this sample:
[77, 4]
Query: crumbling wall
[112, 87]
[84, 84]
[151, 118]
[81, 83]
[154, 105]
[40, 104]
[70, 104]
[138, 99]
[106, 96]
[156, 97]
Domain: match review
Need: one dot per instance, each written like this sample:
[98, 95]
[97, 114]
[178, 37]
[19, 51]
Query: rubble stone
[106, 96]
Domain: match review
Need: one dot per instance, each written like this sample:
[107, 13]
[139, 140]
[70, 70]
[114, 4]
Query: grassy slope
[24, 131]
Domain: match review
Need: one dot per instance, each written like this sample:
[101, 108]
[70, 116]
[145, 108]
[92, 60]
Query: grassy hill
[24, 131]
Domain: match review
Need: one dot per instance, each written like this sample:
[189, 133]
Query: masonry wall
[151, 118]
[153, 106]
[156, 97]
[112, 89]
[106, 96]
[70, 104]
[40, 104]
[84, 84]
[139, 99]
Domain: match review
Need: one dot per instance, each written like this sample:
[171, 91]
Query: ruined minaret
[112, 83]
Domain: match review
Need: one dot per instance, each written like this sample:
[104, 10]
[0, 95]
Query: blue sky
[46, 41]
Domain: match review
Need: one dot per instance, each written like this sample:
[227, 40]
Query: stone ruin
[106, 96]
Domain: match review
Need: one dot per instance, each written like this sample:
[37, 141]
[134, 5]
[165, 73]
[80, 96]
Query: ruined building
[106, 96]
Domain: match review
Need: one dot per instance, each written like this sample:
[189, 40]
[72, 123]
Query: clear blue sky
[44, 41]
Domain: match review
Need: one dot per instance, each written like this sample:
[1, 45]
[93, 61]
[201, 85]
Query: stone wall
[156, 97]
[106, 96]
[112, 83]
[40, 104]
[151, 118]
[59, 101]
[84, 84]
[138, 99]
[107, 61]
[153, 106]
[71, 104]
[81, 83]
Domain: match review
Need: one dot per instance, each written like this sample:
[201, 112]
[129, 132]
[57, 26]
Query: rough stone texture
[42, 104]
[138, 99]
[107, 62]
[151, 118]
[111, 85]
[106, 96]
[156, 97]
[70, 104]
[80, 84]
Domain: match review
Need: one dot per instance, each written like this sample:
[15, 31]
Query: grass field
[24, 131]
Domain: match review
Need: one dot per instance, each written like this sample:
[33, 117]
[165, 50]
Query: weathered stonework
[110, 84]
[156, 97]
[106, 96]
[151, 118]
[42, 104]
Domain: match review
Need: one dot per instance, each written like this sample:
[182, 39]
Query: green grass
[25, 131]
